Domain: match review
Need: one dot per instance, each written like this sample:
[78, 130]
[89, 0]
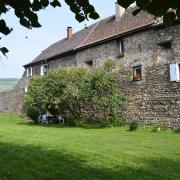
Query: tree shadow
[31, 162]
[83, 126]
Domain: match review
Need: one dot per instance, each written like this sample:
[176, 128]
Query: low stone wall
[13, 101]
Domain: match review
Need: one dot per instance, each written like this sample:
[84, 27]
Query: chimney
[69, 32]
[119, 11]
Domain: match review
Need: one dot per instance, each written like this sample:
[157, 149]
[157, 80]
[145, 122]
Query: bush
[33, 114]
[177, 130]
[71, 120]
[91, 96]
[114, 121]
[133, 126]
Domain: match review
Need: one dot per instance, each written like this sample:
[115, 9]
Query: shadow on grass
[83, 126]
[30, 162]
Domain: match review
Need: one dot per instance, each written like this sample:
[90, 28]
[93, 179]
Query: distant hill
[7, 84]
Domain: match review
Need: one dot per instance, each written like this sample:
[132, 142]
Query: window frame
[121, 46]
[42, 69]
[89, 64]
[178, 74]
[174, 72]
[165, 44]
[134, 71]
[29, 72]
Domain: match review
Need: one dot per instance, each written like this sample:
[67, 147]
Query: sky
[54, 23]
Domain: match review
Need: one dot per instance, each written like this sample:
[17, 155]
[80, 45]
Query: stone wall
[13, 101]
[69, 61]
[154, 98]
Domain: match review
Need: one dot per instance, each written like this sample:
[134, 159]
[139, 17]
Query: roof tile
[102, 30]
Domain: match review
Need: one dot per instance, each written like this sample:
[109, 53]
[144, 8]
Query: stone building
[143, 45]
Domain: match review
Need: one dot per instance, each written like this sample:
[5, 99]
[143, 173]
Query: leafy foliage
[79, 94]
[177, 130]
[26, 12]
[168, 9]
[33, 113]
[133, 126]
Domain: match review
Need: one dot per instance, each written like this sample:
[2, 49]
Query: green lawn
[43, 153]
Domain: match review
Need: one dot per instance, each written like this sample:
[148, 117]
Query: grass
[55, 152]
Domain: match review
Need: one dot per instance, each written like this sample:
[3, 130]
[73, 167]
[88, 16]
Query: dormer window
[29, 72]
[44, 69]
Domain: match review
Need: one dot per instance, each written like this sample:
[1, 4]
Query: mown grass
[38, 152]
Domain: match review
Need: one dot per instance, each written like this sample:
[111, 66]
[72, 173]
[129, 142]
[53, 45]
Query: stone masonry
[153, 99]
[13, 101]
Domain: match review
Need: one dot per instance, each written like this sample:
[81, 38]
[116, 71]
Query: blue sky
[54, 23]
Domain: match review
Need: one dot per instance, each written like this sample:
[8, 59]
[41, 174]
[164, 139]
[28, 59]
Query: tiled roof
[102, 30]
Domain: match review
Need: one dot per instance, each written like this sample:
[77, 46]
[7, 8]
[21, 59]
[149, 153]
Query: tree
[79, 95]
[26, 11]
[168, 9]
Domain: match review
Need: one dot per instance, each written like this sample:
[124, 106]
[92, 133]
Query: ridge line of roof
[88, 35]
[115, 36]
[96, 24]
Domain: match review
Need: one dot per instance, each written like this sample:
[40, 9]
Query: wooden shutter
[173, 72]
[42, 70]
[31, 72]
[177, 72]
[27, 72]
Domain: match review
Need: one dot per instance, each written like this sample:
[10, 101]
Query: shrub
[115, 121]
[120, 55]
[109, 65]
[33, 114]
[177, 130]
[133, 126]
[82, 95]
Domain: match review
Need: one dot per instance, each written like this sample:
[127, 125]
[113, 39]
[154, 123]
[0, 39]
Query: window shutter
[27, 72]
[31, 72]
[173, 74]
[177, 72]
[42, 70]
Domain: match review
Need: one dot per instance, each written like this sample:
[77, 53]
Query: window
[44, 69]
[29, 72]
[140, 48]
[175, 72]
[89, 64]
[165, 45]
[165, 49]
[137, 73]
[121, 47]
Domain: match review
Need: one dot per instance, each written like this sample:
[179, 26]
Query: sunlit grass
[42, 152]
